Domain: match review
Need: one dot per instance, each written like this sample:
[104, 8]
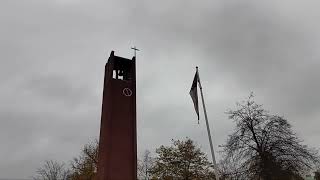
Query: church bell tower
[118, 141]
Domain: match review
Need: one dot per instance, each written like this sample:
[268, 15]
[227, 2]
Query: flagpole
[208, 128]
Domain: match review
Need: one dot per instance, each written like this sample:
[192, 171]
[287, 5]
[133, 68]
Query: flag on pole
[194, 93]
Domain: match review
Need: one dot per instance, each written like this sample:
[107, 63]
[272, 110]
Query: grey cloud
[52, 64]
[256, 46]
[58, 88]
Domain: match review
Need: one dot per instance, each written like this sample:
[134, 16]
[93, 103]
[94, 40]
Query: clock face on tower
[127, 92]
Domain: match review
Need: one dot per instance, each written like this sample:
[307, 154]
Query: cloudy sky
[53, 54]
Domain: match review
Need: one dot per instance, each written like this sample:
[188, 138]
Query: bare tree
[145, 165]
[317, 175]
[228, 168]
[52, 170]
[317, 172]
[264, 146]
[85, 166]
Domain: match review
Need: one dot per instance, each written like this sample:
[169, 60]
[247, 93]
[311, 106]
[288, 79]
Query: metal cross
[135, 50]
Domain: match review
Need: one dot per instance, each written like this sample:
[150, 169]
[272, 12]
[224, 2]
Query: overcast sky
[53, 54]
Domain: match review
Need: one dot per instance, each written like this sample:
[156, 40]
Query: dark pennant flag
[194, 93]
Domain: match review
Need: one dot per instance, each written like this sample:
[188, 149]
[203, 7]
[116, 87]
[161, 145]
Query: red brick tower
[118, 140]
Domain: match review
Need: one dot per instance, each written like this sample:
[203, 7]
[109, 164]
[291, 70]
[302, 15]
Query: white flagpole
[208, 128]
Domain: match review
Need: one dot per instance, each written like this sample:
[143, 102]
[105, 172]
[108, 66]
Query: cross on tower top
[135, 50]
